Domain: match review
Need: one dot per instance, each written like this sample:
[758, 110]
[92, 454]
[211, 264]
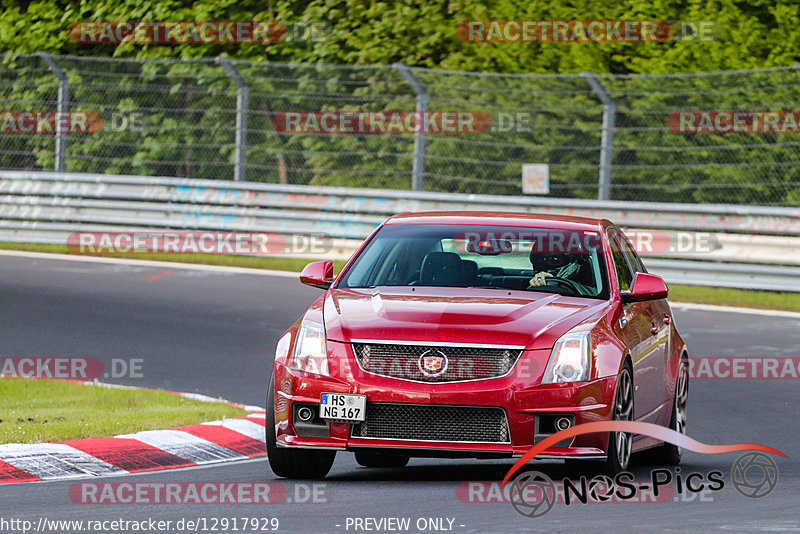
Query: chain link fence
[214, 118]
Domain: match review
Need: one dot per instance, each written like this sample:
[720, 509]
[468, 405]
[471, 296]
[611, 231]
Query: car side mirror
[318, 274]
[645, 286]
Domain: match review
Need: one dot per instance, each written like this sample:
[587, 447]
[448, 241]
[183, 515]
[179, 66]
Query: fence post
[241, 117]
[418, 167]
[607, 136]
[62, 106]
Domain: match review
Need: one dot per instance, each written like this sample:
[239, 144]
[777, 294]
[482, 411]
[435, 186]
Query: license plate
[342, 407]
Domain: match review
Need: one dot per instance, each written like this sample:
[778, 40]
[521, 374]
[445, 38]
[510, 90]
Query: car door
[634, 328]
[660, 324]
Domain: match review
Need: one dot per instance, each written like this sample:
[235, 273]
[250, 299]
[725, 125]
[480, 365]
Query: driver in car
[564, 266]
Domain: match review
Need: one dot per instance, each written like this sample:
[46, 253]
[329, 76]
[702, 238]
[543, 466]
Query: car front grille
[455, 363]
[431, 422]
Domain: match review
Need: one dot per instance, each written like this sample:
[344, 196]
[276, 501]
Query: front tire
[669, 454]
[293, 463]
[620, 443]
[618, 453]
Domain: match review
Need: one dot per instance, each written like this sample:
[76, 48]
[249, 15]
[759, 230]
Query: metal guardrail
[735, 275]
[45, 207]
[703, 217]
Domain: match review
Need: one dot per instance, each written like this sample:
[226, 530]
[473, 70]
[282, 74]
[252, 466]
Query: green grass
[722, 296]
[41, 410]
[679, 293]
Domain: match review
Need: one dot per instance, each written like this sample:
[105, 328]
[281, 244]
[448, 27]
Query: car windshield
[566, 262]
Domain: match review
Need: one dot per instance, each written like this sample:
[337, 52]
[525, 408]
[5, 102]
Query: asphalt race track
[214, 333]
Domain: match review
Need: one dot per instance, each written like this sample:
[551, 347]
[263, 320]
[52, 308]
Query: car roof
[499, 218]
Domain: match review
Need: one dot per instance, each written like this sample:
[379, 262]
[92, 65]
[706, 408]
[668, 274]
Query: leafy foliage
[752, 34]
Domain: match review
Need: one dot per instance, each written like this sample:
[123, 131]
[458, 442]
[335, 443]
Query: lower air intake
[430, 422]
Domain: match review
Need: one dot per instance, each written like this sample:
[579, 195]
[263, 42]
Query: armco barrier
[44, 207]
[703, 217]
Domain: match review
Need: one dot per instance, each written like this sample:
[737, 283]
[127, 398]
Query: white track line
[734, 309]
[149, 263]
[203, 398]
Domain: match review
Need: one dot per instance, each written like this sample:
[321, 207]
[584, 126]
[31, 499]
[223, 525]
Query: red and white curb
[238, 438]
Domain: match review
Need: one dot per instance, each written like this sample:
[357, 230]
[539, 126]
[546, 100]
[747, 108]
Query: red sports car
[477, 335]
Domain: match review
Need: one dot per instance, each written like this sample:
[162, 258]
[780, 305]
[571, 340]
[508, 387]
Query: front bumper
[525, 401]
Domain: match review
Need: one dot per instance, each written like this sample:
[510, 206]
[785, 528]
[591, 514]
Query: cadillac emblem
[432, 363]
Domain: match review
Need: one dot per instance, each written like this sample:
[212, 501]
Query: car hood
[455, 315]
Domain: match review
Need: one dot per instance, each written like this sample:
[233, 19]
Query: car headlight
[310, 350]
[570, 360]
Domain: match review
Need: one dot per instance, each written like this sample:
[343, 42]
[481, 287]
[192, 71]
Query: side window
[630, 253]
[624, 273]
